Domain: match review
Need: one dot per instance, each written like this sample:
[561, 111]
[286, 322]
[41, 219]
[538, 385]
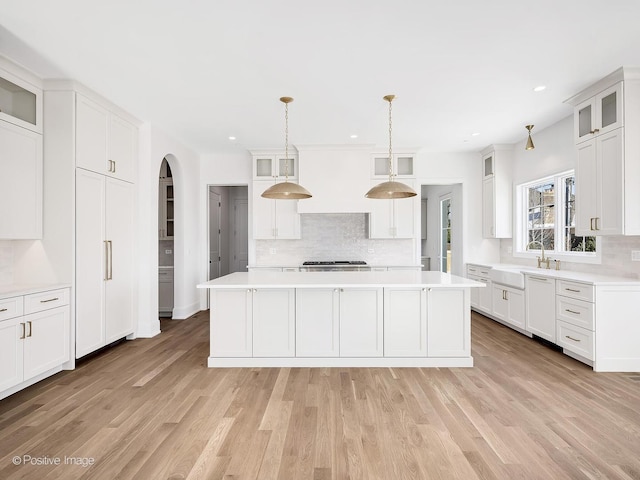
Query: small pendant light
[530, 145]
[286, 190]
[391, 188]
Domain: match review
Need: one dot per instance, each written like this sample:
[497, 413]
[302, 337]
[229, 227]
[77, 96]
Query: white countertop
[398, 278]
[586, 277]
[18, 289]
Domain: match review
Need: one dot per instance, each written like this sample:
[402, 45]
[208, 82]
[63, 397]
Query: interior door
[240, 242]
[215, 206]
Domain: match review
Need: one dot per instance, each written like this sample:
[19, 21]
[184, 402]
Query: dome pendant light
[530, 145]
[286, 190]
[390, 189]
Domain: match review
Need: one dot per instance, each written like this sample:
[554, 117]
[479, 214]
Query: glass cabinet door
[609, 107]
[488, 165]
[264, 167]
[584, 118]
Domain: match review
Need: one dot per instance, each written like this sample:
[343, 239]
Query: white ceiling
[203, 70]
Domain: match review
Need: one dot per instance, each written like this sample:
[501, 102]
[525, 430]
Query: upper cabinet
[497, 191]
[402, 165]
[275, 166]
[21, 158]
[393, 218]
[606, 117]
[105, 142]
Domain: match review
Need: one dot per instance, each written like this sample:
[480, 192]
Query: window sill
[563, 257]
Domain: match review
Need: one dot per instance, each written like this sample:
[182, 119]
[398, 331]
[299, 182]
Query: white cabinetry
[34, 337]
[104, 260]
[497, 191]
[508, 305]
[165, 291]
[361, 327]
[402, 164]
[393, 218]
[20, 182]
[318, 322]
[541, 306]
[165, 209]
[274, 166]
[606, 115]
[21, 156]
[481, 298]
[253, 323]
[274, 219]
[405, 315]
[448, 324]
[575, 317]
[105, 142]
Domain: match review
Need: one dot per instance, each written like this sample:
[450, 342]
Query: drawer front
[10, 308]
[37, 302]
[477, 271]
[581, 291]
[576, 312]
[575, 339]
[165, 276]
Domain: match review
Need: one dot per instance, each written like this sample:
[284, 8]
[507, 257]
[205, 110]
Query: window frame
[520, 214]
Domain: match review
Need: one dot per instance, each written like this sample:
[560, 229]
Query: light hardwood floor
[150, 409]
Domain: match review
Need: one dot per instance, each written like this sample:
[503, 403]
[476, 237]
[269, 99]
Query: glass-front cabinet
[166, 220]
[402, 165]
[275, 166]
[599, 114]
[20, 102]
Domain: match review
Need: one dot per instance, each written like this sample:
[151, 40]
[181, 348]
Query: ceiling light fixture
[539, 88]
[286, 190]
[530, 145]
[391, 188]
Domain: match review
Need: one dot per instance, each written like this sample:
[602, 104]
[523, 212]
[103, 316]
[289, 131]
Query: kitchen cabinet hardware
[571, 311]
[30, 329]
[539, 279]
[50, 300]
[595, 130]
[572, 290]
[571, 338]
[3, 309]
[22, 335]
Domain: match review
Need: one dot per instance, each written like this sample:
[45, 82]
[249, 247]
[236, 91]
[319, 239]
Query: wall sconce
[530, 145]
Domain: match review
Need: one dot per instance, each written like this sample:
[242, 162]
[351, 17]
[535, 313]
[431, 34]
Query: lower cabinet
[165, 292]
[509, 305]
[448, 322]
[253, 322]
[318, 322]
[541, 306]
[405, 314]
[361, 322]
[35, 339]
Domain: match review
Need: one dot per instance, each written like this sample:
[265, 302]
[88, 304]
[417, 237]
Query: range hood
[338, 176]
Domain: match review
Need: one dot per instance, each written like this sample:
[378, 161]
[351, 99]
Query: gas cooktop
[335, 262]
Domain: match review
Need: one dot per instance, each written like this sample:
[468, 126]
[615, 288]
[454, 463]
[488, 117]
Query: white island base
[340, 319]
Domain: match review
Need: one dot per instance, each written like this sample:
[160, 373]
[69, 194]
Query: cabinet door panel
[488, 208]
[405, 322]
[47, 343]
[20, 183]
[541, 307]
[231, 326]
[361, 314]
[274, 322]
[263, 212]
[123, 145]
[516, 307]
[609, 148]
[120, 287]
[90, 262]
[317, 322]
[448, 323]
[11, 346]
[287, 219]
[91, 135]
[586, 187]
[500, 303]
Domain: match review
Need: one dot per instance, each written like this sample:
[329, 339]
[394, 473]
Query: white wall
[554, 153]
[154, 146]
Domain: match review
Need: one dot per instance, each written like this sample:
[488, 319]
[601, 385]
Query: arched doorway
[166, 236]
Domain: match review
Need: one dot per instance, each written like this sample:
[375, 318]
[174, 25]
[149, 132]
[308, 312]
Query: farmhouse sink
[510, 277]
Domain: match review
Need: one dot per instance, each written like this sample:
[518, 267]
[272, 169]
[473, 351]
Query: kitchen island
[331, 319]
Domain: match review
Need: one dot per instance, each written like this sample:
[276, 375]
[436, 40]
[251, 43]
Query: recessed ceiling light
[539, 88]
[354, 136]
[475, 134]
[232, 138]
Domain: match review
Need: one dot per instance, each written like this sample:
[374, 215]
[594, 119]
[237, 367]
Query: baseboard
[180, 313]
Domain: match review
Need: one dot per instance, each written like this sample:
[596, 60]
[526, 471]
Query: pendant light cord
[286, 142]
[390, 151]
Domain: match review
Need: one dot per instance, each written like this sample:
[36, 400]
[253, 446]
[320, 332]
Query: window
[548, 218]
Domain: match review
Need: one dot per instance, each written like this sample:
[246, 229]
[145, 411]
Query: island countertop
[399, 278]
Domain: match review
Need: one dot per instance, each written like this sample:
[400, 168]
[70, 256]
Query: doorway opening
[445, 234]
[166, 232]
[228, 230]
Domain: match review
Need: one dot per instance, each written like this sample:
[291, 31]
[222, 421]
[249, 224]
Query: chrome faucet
[542, 259]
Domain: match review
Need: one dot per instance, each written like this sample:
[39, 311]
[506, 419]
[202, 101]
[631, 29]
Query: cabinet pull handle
[3, 309]
[571, 338]
[49, 300]
[114, 166]
[22, 335]
[591, 223]
[540, 279]
[595, 130]
[572, 290]
[596, 219]
[30, 328]
[571, 311]
[106, 259]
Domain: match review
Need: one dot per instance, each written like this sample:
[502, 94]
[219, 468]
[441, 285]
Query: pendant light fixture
[530, 145]
[391, 188]
[286, 190]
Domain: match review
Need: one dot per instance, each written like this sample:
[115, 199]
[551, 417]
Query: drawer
[478, 271]
[10, 308]
[576, 312]
[575, 339]
[165, 276]
[581, 291]
[37, 302]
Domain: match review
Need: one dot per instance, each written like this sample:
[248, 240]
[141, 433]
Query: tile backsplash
[616, 258]
[335, 236]
[6, 262]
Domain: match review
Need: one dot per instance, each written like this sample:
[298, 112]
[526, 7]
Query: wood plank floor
[150, 409]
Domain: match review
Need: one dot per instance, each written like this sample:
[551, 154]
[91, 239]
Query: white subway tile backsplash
[6, 262]
[335, 236]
